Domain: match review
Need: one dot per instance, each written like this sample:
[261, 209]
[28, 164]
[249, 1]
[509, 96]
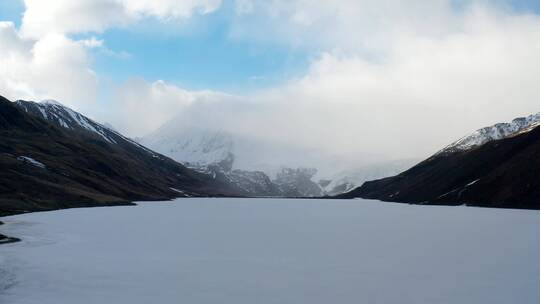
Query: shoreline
[7, 239]
[4, 239]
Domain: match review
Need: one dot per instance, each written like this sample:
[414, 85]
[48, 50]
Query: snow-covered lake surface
[272, 251]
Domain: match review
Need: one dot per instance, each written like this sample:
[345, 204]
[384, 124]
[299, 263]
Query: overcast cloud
[389, 79]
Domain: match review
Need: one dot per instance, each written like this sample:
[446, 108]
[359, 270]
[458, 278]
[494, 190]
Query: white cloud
[359, 25]
[93, 42]
[170, 9]
[68, 16]
[426, 91]
[40, 60]
[51, 67]
[141, 107]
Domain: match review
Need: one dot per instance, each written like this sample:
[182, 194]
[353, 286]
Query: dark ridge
[503, 173]
[79, 168]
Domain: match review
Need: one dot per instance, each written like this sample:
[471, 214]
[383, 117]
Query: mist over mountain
[496, 166]
[293, 171]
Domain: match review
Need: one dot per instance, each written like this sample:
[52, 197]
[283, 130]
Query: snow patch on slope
[31, 161]
[495, 132]
[65, 117]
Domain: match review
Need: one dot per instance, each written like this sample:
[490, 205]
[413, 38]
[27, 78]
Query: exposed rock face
[256, 183]
[298, 182]
[213, 152]
[288, 183]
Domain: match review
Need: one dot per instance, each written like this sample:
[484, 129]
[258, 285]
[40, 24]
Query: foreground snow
[272, 251]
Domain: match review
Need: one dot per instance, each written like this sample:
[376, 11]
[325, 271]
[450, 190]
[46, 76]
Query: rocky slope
[53, 157]
[496, 166]
[297, 182]
[215, 153]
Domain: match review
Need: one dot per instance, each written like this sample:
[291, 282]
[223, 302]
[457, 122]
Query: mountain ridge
[494, 132]
[53, 157]
[502, 173]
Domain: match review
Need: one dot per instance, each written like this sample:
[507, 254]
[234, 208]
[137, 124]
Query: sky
[350, 79]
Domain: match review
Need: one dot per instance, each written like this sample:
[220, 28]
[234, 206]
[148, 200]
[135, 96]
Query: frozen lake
[237, 251]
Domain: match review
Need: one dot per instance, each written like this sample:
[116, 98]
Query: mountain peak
[494, 132]
[196, 147]
[496, 166]
[51, 102]
[65, 117]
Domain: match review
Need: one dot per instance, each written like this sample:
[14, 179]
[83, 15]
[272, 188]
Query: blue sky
[199, 53]
[201, 60]
[11, 10]
[196, 54]
[525, 5]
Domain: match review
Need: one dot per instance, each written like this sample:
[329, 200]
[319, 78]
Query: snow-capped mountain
[255, 166]
[217, 153]
[194, 147]
[298, 182]
[495, 132]
[497, 166]
[64, 117]
[255, 183]
[53, 157]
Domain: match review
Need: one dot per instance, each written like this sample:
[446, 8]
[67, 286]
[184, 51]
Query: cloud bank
[51, 66]
[389, 80]
[68, 16]
[425, 90]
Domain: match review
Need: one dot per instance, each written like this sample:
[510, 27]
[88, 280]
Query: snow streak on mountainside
[495, 132]
[64, 117]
